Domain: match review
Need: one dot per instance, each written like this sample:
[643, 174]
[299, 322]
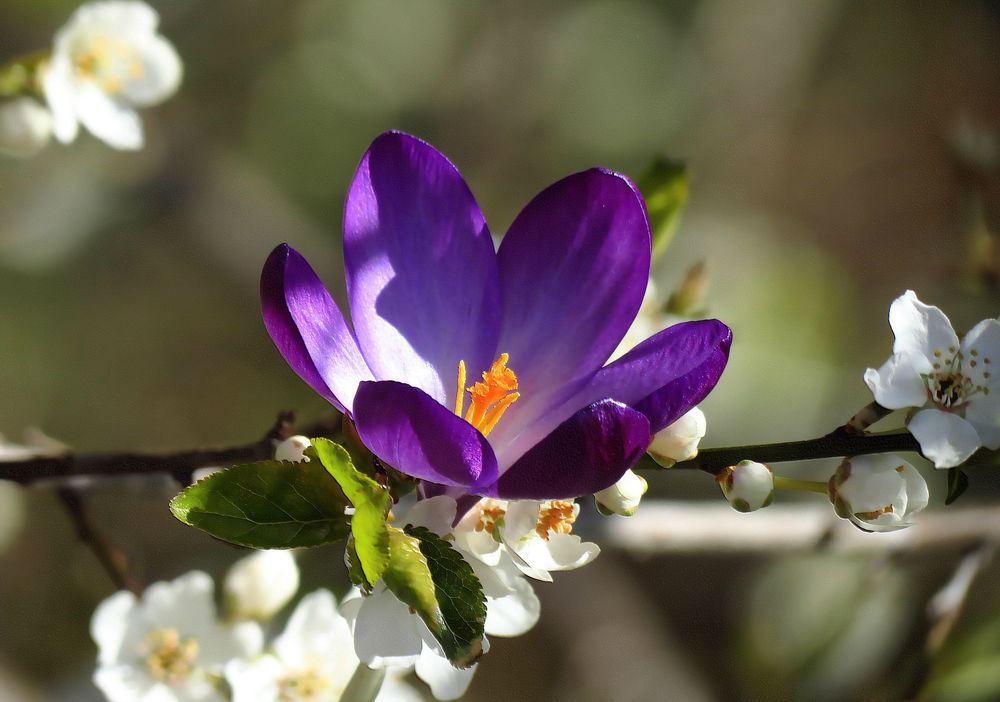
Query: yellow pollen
[489, 514]
[490, 398]
[168, 657]
[302, 686]
[555, 518]
[108, 62]
[874, 514]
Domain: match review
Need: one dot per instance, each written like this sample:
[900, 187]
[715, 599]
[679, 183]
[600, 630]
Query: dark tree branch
[112, 559]
[180, 465]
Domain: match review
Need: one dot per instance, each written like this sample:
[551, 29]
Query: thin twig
[112, 559]
[180, 465]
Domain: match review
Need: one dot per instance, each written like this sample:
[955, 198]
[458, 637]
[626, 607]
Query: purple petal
[573, 270]
[421, 270]
[588, 452]
[309, 329]
[667, 374]
[412, 432]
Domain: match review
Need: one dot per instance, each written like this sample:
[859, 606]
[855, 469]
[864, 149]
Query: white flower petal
[920, 329]
[983, 413]
[160, 75]
[560, 552]
[944, 438]
[123, 683]
[679, 441]
[259, 585]
[435, 513]
[521, 518]
[394, 689]
[25, 127]
[515, 613]
[898, 383]
[981, 354]
[60, 95]
[446, 681]
[109, 624]
[256, 680]
[111, 121]
[125, 16]
[385, 632]
[317, 637]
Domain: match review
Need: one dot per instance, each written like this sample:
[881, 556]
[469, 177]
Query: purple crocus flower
[433, 306]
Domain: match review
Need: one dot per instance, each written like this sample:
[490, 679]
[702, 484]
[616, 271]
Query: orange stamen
[490, 398]
[556, 518]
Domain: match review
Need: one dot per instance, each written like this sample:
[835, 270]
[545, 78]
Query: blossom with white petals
[259, 585]
[748, 485]
[679, 441]
[624, 496]
[951, 383]
[168, 646]
[311, 661]
[25, 127]
[293, 449]
[107, 61]
[880, 492]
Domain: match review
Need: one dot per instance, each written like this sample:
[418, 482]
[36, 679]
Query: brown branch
[112, 559]
[180, 464]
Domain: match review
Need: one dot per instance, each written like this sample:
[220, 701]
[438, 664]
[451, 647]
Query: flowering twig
[180, 465]
[843, 441]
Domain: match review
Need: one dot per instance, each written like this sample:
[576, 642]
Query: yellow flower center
[108, 62]
[168, 657]
[491, 514]
[950, 386]
[555, 517]
[489, 399]
[302, 686]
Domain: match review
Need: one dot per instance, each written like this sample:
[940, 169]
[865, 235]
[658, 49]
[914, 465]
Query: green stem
[806, 485]
[840, 442]
[364, 685]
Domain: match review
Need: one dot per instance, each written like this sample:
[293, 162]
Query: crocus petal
[573, 270]
[944, 438]
[421, 270]
[899, 383]
[411, 431]
[588, 452]
[308, 328]
[919, 328]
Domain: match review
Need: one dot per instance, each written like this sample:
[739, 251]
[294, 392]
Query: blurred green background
[839, 152]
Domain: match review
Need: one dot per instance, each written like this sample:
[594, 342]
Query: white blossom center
[303, 686]
[949, 386]
[169, 658]
[107, 61]
[555, 517]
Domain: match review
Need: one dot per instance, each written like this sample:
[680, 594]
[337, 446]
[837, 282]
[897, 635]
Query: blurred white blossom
[25, 127]
[107, 61]
[951, 383]
[679, 441]
[879, 492]
[292, 449]
[168, 646]
[259, 585]
[748, 485]
[624, 496]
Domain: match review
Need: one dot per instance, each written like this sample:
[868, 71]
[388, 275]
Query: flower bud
[878, 492]
[292, 449]
[259, 585]
[25, 127]
[679, 441]
[623, 497]
[748, 485]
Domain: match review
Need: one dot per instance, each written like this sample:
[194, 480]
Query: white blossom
[312, 660]
[951, 383]
[748, 485]
[679, 441]
[624, 496]
[168, 646]
[293, 449]
[25, 127]
[259, 585]
[107, 61]
[880, 492]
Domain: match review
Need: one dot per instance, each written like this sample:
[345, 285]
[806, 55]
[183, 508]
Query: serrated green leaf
[371, 505]
[665, 189]
[958, 482]
[427, 574]
[271, 504]
[353, 564]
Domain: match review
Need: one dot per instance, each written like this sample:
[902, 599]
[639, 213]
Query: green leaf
[665, 189]
[427, 574]
[371, 505]
[958, 482]
[272, 504]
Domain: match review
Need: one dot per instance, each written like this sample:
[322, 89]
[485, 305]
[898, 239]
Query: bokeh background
[839, 152]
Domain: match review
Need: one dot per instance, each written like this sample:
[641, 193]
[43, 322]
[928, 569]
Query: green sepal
[664, 186]
[371, 505]
[432, 578]
[958, 483]
[266, 505]
[353, 564]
